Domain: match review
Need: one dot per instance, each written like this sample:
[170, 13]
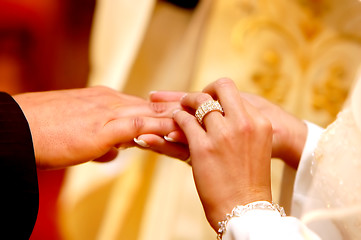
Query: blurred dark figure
[185, 3]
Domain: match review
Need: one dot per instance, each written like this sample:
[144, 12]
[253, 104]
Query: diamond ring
[206, 108]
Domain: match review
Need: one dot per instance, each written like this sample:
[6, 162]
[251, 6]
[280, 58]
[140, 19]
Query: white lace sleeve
[260, 225]
[303, 177]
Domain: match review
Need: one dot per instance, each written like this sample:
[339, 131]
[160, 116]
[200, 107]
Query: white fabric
[261, 224]
[327, 189]
[303, 179]
[114, 44]
[336, 183]
[356, 103]
[303, 184]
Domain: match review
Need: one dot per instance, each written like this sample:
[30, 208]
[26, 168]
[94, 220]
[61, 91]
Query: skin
[228, 166]
[70, 127]
[289, 132]
[231, 154]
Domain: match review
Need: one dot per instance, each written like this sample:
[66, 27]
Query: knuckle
[254, 126]
[165, 124]
[206, 147]
[137, 123]
[202, 98]
[224, 82]
[158, 107]
[246, 126]
[265, 125]
[185, 121]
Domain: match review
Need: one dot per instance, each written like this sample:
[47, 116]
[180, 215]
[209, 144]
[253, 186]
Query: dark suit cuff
[19, 183]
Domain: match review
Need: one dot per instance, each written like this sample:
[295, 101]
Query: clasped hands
[231, 150]
[230, 153]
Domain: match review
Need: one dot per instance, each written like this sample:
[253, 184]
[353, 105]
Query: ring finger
[208, 112]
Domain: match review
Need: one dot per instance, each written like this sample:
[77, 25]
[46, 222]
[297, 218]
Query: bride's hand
[230, 153]
[289, 132]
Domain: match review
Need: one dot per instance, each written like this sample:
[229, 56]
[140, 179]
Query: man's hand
[74, 126]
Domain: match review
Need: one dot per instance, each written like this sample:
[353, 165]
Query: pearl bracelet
[240, 210]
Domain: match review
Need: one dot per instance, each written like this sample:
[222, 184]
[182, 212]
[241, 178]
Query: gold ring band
[206, 108]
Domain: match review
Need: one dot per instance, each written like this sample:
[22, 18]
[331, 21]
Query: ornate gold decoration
[331, 92]
[300, 44]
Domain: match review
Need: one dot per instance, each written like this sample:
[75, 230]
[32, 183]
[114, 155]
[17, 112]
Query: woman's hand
[74, 126]
[289, 132]
[230, 153]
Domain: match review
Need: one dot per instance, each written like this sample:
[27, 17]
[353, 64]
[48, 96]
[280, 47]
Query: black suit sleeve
[18, 178]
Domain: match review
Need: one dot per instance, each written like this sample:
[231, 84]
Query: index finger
[166, 96]
[190, 127]
[124, 130]
[147, 109]
[227, 93]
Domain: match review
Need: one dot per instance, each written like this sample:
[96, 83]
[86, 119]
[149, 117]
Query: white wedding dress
[327, 192]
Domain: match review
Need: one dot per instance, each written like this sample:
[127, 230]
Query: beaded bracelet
[240, 210]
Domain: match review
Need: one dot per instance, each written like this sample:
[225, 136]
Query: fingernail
[141, 143]
[183, 97]
[175, 111]
[152, 92]
[169, 139]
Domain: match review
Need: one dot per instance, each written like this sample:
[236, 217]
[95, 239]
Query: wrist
[220, 209]
[292, 143]
[244, 210]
